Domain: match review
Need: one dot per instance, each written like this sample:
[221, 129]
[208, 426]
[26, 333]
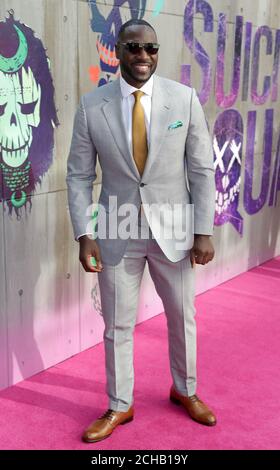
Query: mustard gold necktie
[139, 133]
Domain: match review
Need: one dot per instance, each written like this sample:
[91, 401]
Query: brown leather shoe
[105, 425]
[194, 406]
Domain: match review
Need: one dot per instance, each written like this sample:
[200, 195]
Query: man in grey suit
[154, 149]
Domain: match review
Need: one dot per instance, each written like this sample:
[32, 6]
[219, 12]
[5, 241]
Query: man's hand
[202, 251]
[88, 249]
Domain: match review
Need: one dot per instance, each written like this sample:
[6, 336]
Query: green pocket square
[175, 124]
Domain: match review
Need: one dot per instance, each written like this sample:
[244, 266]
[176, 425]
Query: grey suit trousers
[119, 291]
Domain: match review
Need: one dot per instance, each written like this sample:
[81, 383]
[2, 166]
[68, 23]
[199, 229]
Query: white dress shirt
[128, 101]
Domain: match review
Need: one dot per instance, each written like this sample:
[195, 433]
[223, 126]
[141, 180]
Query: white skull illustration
[19, 114]
[228, 189]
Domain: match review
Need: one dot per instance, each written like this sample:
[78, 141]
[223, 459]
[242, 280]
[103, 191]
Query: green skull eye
[28, 108]
[2, 108]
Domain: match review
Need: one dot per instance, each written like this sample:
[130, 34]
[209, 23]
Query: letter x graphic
[219, 153]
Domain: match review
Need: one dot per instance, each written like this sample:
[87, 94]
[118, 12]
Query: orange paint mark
[94, 73]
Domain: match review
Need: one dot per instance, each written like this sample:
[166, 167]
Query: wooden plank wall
[50, 308]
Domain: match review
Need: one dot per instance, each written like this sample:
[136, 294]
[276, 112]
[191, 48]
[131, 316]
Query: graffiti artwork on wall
[228, 144]
[107, 28]
[228, 130]
[27, 114]
[95, 295]
[231, 127]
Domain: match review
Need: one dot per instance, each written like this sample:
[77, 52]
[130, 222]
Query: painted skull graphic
[18, 116]
[228, 141]
[27, 113]
[108, 29]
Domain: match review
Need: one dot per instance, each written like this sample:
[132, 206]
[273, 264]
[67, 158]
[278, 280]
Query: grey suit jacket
[179, 167]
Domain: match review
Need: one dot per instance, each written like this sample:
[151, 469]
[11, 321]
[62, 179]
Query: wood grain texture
[4, 356]
[50, 308]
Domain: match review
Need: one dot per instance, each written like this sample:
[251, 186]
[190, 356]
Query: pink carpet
[238, 372]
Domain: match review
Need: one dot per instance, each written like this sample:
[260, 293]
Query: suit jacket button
[142, 184]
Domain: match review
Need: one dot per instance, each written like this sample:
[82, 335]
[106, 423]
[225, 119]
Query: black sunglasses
[135, 47]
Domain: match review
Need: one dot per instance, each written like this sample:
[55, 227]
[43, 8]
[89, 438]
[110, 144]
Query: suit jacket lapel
[112, 110]
[159, 122]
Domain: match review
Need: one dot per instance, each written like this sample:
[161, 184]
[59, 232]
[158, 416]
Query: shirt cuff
[79, 236]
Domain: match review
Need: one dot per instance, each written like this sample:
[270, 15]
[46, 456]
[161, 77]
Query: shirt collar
[127, 89]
